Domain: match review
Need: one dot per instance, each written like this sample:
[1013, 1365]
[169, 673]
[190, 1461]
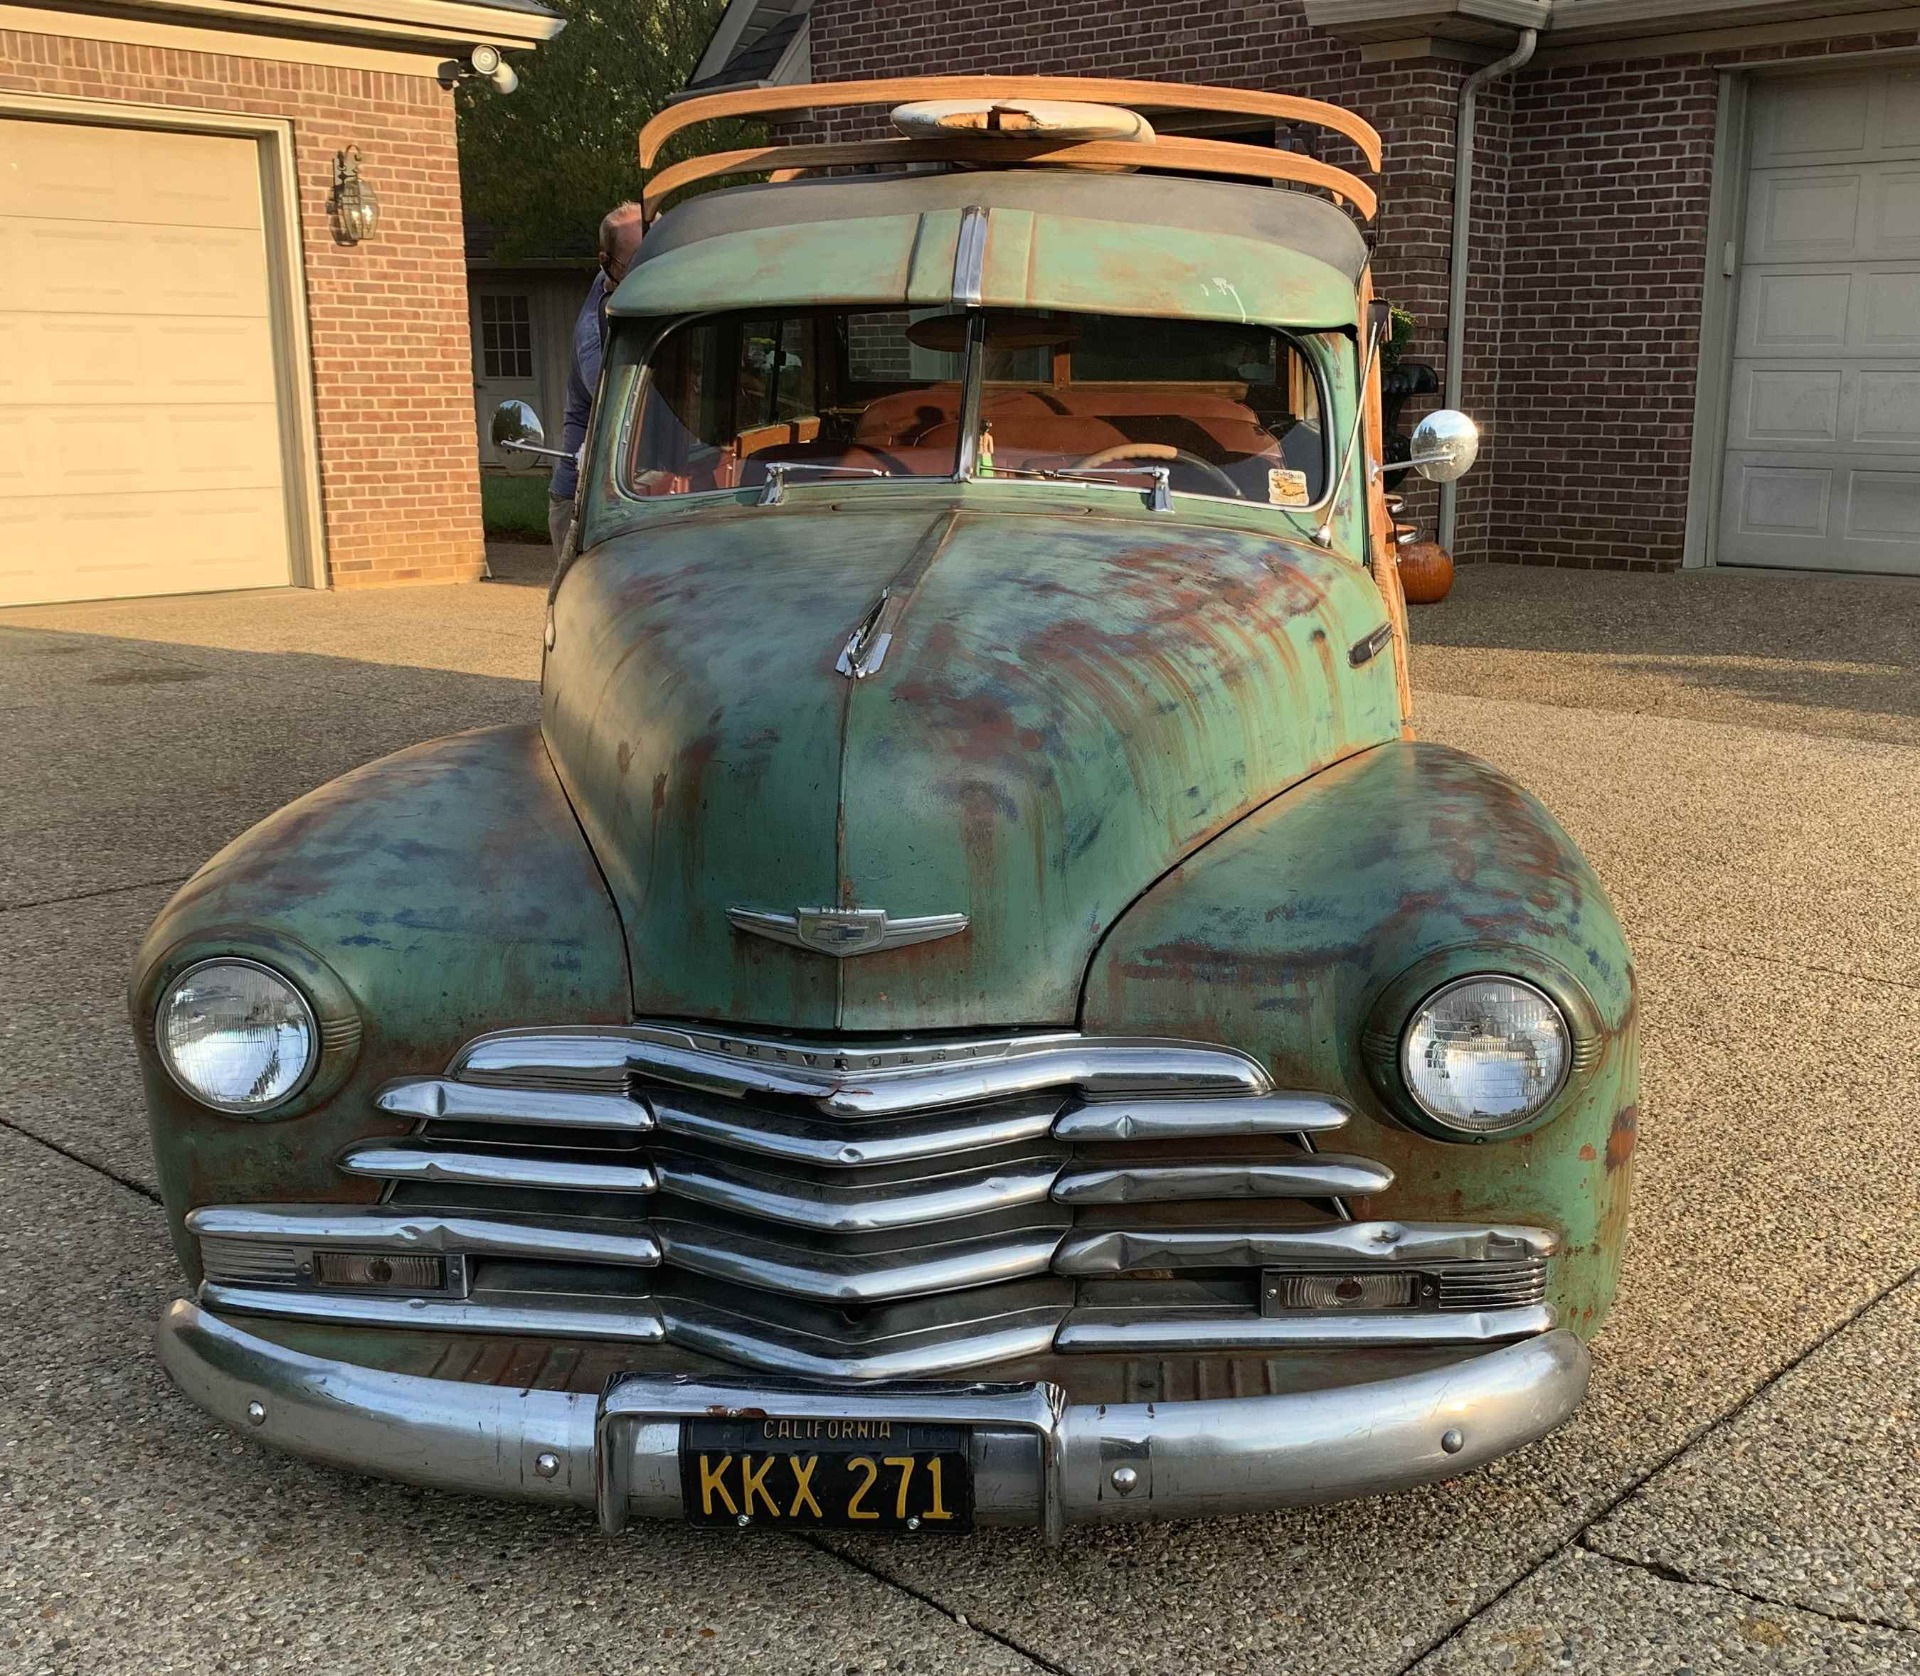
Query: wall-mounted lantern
[354, 209]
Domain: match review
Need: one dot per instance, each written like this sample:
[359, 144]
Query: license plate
[824, 1474]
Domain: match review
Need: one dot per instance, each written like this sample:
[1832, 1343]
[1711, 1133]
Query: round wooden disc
[1020, 119]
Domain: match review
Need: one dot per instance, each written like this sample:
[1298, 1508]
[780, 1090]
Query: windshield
[1226, 410]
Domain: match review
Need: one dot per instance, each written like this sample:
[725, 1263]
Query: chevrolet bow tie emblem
[842, 932]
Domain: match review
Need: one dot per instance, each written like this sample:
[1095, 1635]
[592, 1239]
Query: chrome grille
[851, 1211]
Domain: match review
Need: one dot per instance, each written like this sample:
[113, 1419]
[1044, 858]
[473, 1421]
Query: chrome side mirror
[1445, 446]
[516, 425]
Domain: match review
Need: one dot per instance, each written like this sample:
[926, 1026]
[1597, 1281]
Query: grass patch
[513, 504]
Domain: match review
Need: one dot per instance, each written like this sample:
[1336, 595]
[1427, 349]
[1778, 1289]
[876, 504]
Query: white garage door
[1823, 441]
[136, 366]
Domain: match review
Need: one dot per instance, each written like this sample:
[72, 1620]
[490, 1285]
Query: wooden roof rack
[1190, 155]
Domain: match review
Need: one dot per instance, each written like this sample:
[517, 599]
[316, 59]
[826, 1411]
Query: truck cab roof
[1138, 244]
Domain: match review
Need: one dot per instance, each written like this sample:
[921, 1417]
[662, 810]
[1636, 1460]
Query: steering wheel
[1158, 451]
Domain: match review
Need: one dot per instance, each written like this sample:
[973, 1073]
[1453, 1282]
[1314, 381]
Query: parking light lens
[1326, 1292]
[1484, 1055]
[236, 1035]
[397, 1271]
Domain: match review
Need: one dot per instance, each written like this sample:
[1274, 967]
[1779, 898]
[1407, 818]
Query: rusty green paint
[1033, 261]
[1278, 937]
[1056, 240]
[449, 890]
[1130, 746]
[1069, 705]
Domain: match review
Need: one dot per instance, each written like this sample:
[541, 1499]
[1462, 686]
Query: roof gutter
[1518, 59]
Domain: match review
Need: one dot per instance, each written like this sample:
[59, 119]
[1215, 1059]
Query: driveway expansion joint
[85, 1163]
[1578, 1537]
[1780, 960]
[1674, 1574]
[1038, 1660]
[92, 895]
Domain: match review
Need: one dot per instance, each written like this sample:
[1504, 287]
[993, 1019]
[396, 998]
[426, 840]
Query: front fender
[1296, 931]
[418, 901]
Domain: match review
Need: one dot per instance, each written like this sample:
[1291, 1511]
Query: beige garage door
[137, 373]
[1823, 441]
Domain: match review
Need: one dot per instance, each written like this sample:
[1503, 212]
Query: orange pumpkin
[1426, 572]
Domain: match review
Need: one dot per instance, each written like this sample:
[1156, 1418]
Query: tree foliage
[542, 165]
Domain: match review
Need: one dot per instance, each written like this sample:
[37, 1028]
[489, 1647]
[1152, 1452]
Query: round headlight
[1485, 1054]
[236, 1035]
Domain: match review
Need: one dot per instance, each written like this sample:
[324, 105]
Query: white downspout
[1521, 56]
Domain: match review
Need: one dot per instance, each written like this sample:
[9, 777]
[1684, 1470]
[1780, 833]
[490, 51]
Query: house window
[506, 337]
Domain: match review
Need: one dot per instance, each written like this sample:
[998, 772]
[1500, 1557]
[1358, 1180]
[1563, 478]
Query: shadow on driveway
[1816, 654]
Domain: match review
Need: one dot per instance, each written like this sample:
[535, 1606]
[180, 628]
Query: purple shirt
[583, 379]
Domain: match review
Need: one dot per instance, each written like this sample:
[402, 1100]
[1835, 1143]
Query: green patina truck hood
[1068, 706]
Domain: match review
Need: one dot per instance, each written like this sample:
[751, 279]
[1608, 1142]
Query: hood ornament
[866, 648]
[844, 932]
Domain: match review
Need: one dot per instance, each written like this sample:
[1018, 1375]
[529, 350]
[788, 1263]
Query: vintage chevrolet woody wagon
[971, 1006]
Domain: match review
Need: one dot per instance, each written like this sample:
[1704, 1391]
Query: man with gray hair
[620, 230]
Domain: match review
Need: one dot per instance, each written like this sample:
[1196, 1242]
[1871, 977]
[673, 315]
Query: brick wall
[1610, 173]
[1590, 222]
[392, 369]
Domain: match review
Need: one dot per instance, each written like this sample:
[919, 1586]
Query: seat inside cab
[1226, 409]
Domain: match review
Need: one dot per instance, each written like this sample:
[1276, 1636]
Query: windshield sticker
[1287, 488]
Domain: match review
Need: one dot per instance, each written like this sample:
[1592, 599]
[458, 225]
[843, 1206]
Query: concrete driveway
[1739, 754]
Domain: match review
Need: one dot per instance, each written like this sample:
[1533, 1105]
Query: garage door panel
[74, 171]
[1830, 311]
[138, 364]
[1826, 413]
[1857, 512]
[1900, 125]
[60, 547]
[1889, 309]
[1862, 116]
[209, 360]
[1893, 219]
[1883, 506]
[1774, 498]
[1786, 313]
[1804, 216]
[1812, 120]
[133, 448]
[15, 373]
[77, 358]
[78, 361]
[92, 267]
[1863, 213]
[1788, 404]
[1887, 408]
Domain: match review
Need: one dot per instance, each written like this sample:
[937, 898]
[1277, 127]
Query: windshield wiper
[1160, 497]
[776, 486]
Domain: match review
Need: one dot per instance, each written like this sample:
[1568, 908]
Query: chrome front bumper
[1037, 1460]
